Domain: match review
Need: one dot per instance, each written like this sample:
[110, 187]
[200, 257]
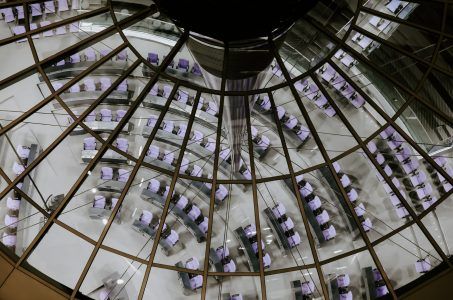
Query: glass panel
[67, 252]
[223, 287]
[113, 275]
[289, 285]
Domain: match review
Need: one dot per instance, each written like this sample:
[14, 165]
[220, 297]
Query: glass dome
[109, 123]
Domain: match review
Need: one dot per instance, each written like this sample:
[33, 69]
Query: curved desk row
[310, 215]
[159, 201]
[267, 118]
[282, 240]
[203, 118]
[166, 247]
[87, 98]
[181, 73]
[173, 138]
[102, 126]
[74, 69]
[252, 259]
[109, 156]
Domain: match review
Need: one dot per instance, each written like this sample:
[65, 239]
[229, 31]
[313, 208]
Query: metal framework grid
[158, 72]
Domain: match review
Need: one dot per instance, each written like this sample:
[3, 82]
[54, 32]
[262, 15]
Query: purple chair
[106, 173]
[106, 115]
[328, 73]
[166, 92]
[196, 70]
[321, 102]
[183, 64]
[387, 132]
[312, 92]
[338, 83]
[357, 100]
[347, 91]
[372, 147]
[122, 87]
[120, 113]
[153, 58]
[122, 55]
[301, 85]
[330, 112]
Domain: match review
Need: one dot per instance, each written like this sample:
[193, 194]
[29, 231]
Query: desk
[310, 215]
[165, 246]
[109, 156]
[325, 172]
[71, 70]
[87, 98]
[370, 286]
[201, 117]
[99, 126]
[159, 201]
[183, 74]
[252, 259]
[184, 280]
[112, 186]
[25, 208]
[104, 213]
[333, 289]
[282, 240]
[214, 261]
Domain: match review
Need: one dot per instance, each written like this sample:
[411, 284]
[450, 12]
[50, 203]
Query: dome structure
[128, 173]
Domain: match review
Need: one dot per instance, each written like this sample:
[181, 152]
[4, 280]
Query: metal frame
[40, 65]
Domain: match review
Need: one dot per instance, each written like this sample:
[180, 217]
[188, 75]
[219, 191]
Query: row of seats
[335, 80]
[401, 211]
[183, 97]
[286, 225]
[190, 209]
[11, 220]
[183, 64]
[250, 233]
[104, 115]
[91, 55]
[196, 136]
[345, 58]
[17, 13]
[89, 85]
[20, 29]
[154, 152]
[168, 234]
[408, 163]
[443, 184]
[359, 208]
[314, 202]
[101, 202]
[289, 121]
[90, 143]
[108, 173]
